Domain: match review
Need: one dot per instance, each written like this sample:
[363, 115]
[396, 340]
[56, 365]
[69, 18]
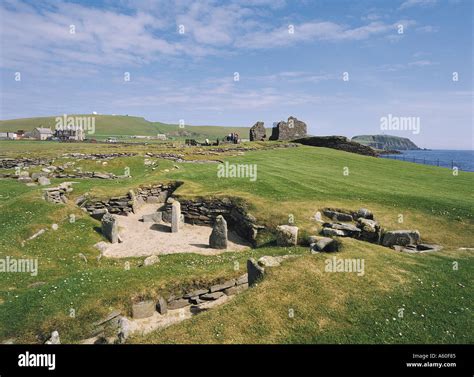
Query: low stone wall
[11, 163]
[98, 156]
[122, 205]
[205, 211]
[58, 194]
[196, 212]
[201, 294]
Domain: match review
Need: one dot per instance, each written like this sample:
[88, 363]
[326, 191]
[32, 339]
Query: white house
[41, 133]
[7, 135]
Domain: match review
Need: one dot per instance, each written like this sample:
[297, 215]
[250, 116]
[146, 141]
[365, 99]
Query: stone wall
[196, 212]
[205, 211]
[11, 163]
[122, 205]
[203, 293]
[257, 132]
[292, 129]
[98, 156]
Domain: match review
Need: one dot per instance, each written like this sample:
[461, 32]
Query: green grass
[329, 308]
[124, 126]
[301, 303]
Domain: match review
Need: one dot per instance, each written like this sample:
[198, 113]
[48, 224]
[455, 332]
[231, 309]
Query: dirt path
[144, 239]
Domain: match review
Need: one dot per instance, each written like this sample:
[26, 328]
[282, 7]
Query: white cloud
[40, 35]
[414, 3]
[427, 29]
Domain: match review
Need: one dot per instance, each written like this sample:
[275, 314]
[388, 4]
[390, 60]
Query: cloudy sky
[338, 65]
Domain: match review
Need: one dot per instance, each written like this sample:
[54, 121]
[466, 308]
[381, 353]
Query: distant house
[20, 134]
[8, 136]
[111, 140]
[160, 136]
[70, 134]
[41, 133]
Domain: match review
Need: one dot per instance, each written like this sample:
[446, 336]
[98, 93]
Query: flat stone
[195, 300]
[196, 292]
[323, 244]
[143, 309]
[236, 290]
[178, 304]
[211, 296]
[400, 237]
[220, 287]
[333, 232]
[346, 227]
[101, 176]
[99, 213]
[337, 216]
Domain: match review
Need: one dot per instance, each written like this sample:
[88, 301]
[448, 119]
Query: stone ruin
[57, 195]
[359, 225]
[122, 205]
[292, 129]
[215, 212]
[257, 132]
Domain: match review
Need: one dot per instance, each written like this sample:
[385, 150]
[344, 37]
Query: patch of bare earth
[145, 238]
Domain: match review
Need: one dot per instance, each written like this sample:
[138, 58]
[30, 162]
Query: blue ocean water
[462, 159]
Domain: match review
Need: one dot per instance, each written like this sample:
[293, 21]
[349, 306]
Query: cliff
[385, 142]
[337, 142]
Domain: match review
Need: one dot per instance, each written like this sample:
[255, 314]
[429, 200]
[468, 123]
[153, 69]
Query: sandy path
[144, 239]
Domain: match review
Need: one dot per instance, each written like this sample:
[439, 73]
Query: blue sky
[190, 75]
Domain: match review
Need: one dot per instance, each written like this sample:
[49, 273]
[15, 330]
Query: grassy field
[123, 127]
[328, 307]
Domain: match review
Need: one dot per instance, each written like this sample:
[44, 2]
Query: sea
[462, 159]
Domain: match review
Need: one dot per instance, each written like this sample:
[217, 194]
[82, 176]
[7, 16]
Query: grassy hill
[328, 307]
[122, 126]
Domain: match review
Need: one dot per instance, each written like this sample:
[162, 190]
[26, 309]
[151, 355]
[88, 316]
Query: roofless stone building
[290, 130]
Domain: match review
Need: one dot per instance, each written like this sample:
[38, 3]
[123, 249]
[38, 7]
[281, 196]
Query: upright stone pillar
[175, 216]
[218, 237]
[110, 227]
